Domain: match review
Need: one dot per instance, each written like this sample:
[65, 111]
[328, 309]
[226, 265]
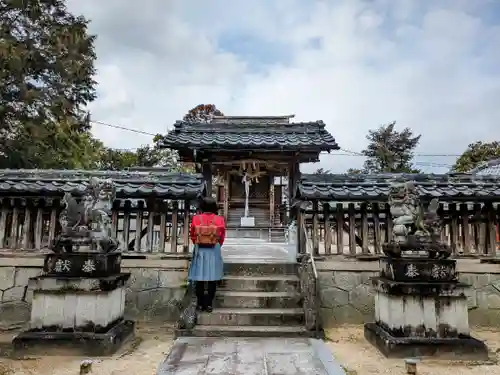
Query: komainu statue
[413, 228]
[88, 223]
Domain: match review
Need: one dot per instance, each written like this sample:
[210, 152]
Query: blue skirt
[207, 264]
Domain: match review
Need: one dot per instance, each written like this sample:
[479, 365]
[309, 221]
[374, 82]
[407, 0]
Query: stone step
[252, 317]
[245, 299]
[267, 283]
[260, 269]
[246, 331]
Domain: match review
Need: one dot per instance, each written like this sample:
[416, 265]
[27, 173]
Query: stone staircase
[262, 229]
[255, 300]
[261, 216]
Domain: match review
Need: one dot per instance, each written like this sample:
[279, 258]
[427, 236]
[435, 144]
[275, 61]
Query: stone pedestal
[421, 310]
[77, 313]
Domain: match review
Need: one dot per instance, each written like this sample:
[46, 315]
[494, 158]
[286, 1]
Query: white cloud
[430, 65]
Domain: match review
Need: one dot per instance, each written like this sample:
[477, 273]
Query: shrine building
[266, 149]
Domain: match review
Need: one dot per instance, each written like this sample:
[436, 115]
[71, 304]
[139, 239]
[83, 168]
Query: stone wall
[155, 288]
[346, 295]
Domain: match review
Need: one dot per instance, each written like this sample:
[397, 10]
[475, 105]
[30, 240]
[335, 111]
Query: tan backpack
[207, 233]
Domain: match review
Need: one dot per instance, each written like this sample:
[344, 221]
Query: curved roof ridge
[490, 167]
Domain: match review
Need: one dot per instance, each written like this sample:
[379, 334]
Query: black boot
[200, 295]
[212, 287]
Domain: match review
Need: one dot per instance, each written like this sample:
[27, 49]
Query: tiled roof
[491, 168]
[128, 184]
[251, 133]
[450, 187]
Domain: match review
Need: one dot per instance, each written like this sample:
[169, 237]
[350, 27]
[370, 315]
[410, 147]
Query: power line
[355, 153]
[122, 128]
[416, 154]
[345, 151]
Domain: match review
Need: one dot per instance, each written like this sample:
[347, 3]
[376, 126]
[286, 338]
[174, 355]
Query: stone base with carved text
[421, 310]
[82, 264]
[82, 315]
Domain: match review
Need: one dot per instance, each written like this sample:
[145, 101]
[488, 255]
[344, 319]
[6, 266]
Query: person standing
[207, 232]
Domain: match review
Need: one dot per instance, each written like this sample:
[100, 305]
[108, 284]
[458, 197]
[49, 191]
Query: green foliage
[390, 151]
[321, 171]
[202, 113]
[115, 160]
[145, 156]
[476, 154]
[354, 171]
[45, 81]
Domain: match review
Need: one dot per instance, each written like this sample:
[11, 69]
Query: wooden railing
[355, 229]
[140, 226]
[31, 223]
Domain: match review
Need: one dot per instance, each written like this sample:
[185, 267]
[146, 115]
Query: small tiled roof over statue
[250, 133]
[490, 168]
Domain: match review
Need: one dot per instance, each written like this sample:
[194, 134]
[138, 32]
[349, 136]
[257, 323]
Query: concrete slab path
[249, 356]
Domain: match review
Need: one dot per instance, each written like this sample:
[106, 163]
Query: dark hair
[209, 205]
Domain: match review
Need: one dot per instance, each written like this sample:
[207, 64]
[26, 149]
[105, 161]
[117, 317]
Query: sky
[430, 65]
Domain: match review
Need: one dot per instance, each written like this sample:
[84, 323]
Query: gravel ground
[347, 343]
[358, 357]
[141, 357]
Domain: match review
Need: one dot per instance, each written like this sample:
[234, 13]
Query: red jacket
[207, 218]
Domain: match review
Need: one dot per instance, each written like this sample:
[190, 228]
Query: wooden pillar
[114, 217]
[300, 235]
[227, 178]
[207, 176]
[185, 248]
[466, 238]
[315, 228]
[351, 210]
[388, 223]
[26, 242]
[491, 230]
[14, 226]
[339, 218]
[173, 236]
[163, 225]
[271, 201]
[328, 229]
[377, 237]
[365, 245]
[39, 226]
[290, 187]
[3, 221]
[477, 225]
[151, 207]
[293, 178]
[138, 226]
[454, 235]
[53, 220]
[127, 207]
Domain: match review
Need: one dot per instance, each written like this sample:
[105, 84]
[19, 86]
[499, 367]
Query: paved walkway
[249, 356]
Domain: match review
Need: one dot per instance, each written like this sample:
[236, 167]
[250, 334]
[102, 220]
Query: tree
[354, 171]
[45, 81]
[202, 113]
[156, 156]
[476, 154]
[145, 156]
[115, 160]
[321, 171]
[389, 151]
